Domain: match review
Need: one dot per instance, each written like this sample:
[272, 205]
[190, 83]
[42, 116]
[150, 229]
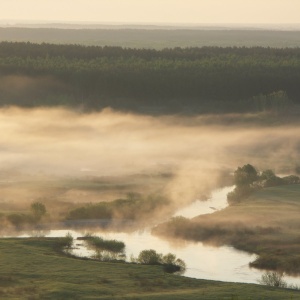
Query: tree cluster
[169, 261]
[247, 179]
[37, 212]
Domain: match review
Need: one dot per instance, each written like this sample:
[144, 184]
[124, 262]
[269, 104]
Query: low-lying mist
[196, 149]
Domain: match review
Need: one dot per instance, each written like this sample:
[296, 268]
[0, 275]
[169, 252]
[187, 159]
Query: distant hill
[152, 36]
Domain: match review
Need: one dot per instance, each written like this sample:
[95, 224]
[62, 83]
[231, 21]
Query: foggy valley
[149, 155]
[58, 141]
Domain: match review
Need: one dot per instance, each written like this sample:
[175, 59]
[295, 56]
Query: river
[205, 262]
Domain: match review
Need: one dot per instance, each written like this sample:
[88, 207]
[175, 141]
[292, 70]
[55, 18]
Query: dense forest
[206, 79]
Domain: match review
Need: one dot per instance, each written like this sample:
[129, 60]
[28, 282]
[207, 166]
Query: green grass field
[35, 269]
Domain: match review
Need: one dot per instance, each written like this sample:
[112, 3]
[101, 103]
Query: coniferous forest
[171, 80]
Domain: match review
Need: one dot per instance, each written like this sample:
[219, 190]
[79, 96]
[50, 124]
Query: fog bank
[109, 143]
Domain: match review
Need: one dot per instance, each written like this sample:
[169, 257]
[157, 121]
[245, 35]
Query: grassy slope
[275, 206]
[33, 269]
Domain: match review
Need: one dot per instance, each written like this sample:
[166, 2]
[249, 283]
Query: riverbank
[266, 224]
[34, 268]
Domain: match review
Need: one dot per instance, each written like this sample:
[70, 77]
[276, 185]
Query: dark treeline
[207, 79]
[89, 52]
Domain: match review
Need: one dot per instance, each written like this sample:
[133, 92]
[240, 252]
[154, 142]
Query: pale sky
[153, 11]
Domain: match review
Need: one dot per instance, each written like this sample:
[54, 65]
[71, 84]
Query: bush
[273, 181]
[239, 193]
[109, 245]
[20, 220]
[292, 179]
[267, 174]
[273, 278]
[68, 240]
[64, 243]
[149, 257]
[38, 210]
[170, 263]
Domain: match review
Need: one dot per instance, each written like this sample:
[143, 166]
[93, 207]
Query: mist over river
[203, 262]
[189, 155]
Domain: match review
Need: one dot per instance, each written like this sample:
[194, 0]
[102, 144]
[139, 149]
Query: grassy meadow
[35, 268]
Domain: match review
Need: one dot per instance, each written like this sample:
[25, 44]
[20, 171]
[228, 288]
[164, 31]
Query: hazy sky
[153, 11]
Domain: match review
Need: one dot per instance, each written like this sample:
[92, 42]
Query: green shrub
[64, 243]
[273, 279]
[170, 263]
[20, 220]
[102, 244]
[149, 257]
[291, 179]
[38, 210]
[273, 181]
[241, 192]
[68, 240]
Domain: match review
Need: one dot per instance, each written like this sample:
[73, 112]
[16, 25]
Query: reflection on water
[217, 201]
[205, 262]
